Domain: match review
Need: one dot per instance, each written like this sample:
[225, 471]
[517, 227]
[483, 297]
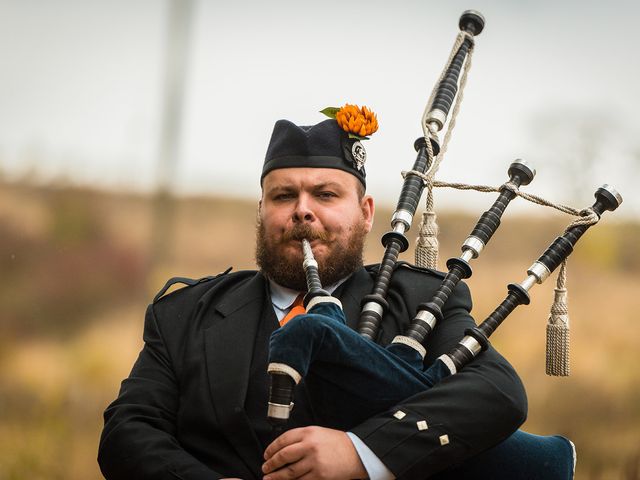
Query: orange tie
[297, 308]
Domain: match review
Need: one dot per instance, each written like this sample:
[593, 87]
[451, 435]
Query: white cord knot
[588, 216]
[512, 187]
[468, 36]
[426, 180]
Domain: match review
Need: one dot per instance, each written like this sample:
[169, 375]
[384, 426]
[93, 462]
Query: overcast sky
[553, 82]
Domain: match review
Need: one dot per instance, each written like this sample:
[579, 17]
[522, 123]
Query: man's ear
[368, 210]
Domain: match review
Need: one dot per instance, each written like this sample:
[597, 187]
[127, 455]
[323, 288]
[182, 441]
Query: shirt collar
[283, 297]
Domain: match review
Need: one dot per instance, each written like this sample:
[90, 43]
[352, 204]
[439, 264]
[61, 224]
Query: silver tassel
[427, 246]
[558, 331]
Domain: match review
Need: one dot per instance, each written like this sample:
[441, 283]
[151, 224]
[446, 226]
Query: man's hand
[312, 453]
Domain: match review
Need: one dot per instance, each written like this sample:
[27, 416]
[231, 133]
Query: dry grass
[79, 266]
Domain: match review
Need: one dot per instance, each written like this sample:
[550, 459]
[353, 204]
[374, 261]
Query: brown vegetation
[78, 266]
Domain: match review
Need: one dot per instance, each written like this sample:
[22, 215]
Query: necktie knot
[297, 308]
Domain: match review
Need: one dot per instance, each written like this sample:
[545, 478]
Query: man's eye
[283, 196]
[327, 195]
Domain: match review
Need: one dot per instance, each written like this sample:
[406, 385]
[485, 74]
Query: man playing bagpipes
[418, 392]
[195, 403]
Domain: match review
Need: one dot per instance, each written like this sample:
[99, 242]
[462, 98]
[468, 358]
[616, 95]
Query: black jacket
[188, 408]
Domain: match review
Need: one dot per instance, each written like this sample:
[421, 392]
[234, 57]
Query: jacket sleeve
[138, 440]
[464, 414]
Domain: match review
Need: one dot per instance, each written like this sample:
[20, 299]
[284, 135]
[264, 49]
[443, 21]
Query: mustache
[300, 232]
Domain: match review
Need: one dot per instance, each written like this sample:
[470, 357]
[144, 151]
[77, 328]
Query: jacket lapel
[229, 344]
[351, 294]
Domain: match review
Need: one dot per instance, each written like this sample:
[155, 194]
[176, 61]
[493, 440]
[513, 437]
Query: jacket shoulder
[197, 287]
[409, 277]
[406, 269]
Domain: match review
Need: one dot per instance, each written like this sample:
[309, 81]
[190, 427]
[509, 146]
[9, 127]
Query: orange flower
[356, 120]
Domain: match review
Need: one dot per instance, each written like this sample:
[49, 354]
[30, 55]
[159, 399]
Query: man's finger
[291, 471]
[287, 438]
[289, 455]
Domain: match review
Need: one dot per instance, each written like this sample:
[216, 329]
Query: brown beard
[288, 271]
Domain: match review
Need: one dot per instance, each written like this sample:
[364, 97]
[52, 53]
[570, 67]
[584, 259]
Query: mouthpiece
[310, 265]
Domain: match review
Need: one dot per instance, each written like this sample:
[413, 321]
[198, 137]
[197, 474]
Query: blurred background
[131, 139]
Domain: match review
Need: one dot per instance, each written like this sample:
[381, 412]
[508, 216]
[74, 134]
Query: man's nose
[303, 211]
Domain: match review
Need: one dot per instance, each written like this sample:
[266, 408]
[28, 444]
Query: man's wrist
[376, 470]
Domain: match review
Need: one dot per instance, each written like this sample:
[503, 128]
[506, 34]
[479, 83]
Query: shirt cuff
[372, 464]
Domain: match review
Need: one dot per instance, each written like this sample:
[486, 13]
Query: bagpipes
[318, 344]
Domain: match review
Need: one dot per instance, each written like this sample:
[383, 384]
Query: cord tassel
[558, 330]
[427, 245]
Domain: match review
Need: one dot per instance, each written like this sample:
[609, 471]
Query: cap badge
[359, 154]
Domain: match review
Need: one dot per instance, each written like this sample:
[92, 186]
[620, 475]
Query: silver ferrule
[427, 317]
[373, 307]
[276, 410]
[467, 254]
[613, 192]
[438, 117]
[529, 282]
[540, 271]
[471, 344]
[474, 245]
[434, 128]
[401, 217]
[525, 164]
[309, 262]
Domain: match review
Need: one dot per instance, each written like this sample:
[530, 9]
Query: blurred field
[77, 268]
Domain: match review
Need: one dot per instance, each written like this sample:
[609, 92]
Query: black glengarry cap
[324, 145]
